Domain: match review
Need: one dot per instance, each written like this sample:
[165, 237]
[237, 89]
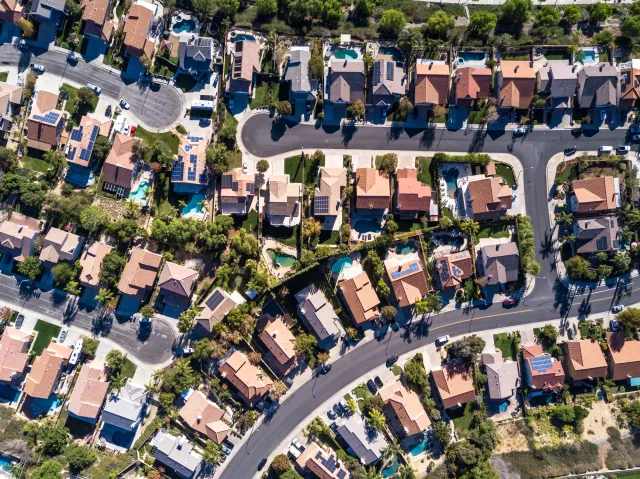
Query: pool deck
[270, 243]
[446, 248]
[348, 272]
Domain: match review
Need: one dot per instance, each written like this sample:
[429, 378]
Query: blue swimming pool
[8, 394]
[470, 57]
[367, 226]
[406, 248]
[6, 461]
[451, 177]
[193, 207]
[139, 194]
[184, 26]
[423, 445]
[341, 264]
[589, 56]
[393, 52]
[391, 470]
[243, 36]
[45, 406]
[344, 54]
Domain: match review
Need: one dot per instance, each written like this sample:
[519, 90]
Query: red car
[133, 130]
[509, 302]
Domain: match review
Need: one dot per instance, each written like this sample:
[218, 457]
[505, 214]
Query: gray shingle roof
[197, 54]
[177, 453]
[124, 409]
[599, 85]
[43, 8]
[298, 70]
[347, 81]
[365, 442]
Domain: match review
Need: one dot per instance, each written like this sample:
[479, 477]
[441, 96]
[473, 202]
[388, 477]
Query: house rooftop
[139, 273]
[14, 353]
[454, 384]
[204, 416]
[407, 407]
[361, 298]
[432, 83]
[45, 370]
[91, 262]
[89, 391]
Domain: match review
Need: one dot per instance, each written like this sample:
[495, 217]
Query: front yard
[170, 139]
[506, 172]
[268, 92]
[72, 97]
[505, 344]
[46, 331]
[293, 167]
[423, 163]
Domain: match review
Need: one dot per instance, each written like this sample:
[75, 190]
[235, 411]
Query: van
[96, 89]
[605, 150]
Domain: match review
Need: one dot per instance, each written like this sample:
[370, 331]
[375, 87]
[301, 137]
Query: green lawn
[476, 117]
[506, 172]
[505, 344]
[396, 370]
[293, 168]
[515, 56]
[330, 237]
[163, 199]
[71, 100]
[227, 65]
[265, 94]
[46, 331]
[447, 212]
[128, 368]
[424, 172]
[361, 393]
[497, 230]
[549, 347]
[34, 164]
[462, 418]
[170, 139]
[584, 329]
[251, 222]
[557, 55]
[235, 159]
[3, 76]
[569, 174]
[287, 236]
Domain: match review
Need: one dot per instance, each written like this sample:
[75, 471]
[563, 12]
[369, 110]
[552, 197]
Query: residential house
[237, 192]
[629, 83]
[18, 235]
[283, 202]
[623, 358]
[346, 82]
[82, 140]
[137, 31]
[138, 278]
[373, 191]
[454, 385]
[91, 262]
[14, 354]
[404, 410]
[472, 84]
[120, 167]
[595, 194]
[204, 416]
[197, 54]
[412, 197]
[59, 245]
[327, 202]
[10, 100]
[453, 268]
[407, 278]
[500, 263]
[362, 441]
[597, 234]
[389, 81]
[46, 370]
[10, 11]
[45, 122]
[598, 86]
[559, 81]
[216, 307]
[432, 82]
[323, 462]
[503, 378]
[360, 298]
[89, 392]
[318, 315]
[281, 345]
[250, 382]
[541, 371]
[97, 17]
[584, 360]
[515, 83]
[189, 171]
[176, 285]
[298, 75]
[125, 408]
[48, 11]
[245, 64]
[176, 453]
[486, 198]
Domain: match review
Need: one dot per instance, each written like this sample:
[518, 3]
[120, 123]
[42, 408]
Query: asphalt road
[158, 107]
[549, 300]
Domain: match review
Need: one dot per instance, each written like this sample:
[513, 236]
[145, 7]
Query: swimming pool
[406, 248]
[423, 445]
[341, 264]
[285, 260]
[451, 240]
[391, 470]
[242, 36]
[193, 207]
[184, 26]
[393, 51]
[451, 177]
[344, 54]
[470, 57]
[367, 226]
[45, 406]
[6, 461]
[139, 193]
[8, 394]
[589, 56]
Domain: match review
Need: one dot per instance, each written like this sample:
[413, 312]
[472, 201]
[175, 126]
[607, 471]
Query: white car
[623, 150]
[63, 334]
[618, 308]
[442, 340]
[124, 104]
[37, 68]
[521, 130]
[297, 444]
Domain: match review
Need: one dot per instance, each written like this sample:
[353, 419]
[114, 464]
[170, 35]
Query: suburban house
[91, 262]
[137, 279]
[404, 410]
[598, 86]
[623, 358]
[59, 245]
[472, 84]
[283, 202]
[245, 64]
[503, 378]
[486, 198]
[346, 80]
[454, 385]
[360, 298]
[595, 194]
[317, 314]
[559, 81]
[453, 268]
[81, 141]
[412, 197]
[373, 191]
[361, 441]
[407, 278]
[629, 83]
[10, 100]
[327, 202]
[48, 11]
[432, 82]
[97, 17]
[597, 234]
[250, 382]
[124, 409]
[197, 54]
[17, 236]
[137, 30]
[515, 83]
[237, 192]
[89, 392]
[120, 167]
[14, 354]
[500, 263]
[45, 122]
[189, 171]
[298, 76]
[585, 360]
[204, 416]
[280, 342]
[46, 370]
[389, 82]
[216, 307]
[176, 285]
[10, 11]
[177, 453]
[541, 371]
[323, 462]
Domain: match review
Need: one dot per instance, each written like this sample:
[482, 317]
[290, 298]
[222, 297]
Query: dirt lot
[510, 439]
[599, 419]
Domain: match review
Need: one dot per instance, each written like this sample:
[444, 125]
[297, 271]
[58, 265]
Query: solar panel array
[214, 300]
[71, 153]
[321, 204]
[195, 139]
[413, 267]
[191, 170]
[178, 171]
[76, 134]
[226, 181]
[342, 474]
[457, 272]
[187, 148]
[376, 73]
[85, 154]
[541, 364]
[50, 117]
[94, 133]
[330, 463]
[390, 70]
[444, 269]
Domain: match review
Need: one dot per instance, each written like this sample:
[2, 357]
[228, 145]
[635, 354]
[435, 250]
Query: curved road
[549, 300]
[157, 108]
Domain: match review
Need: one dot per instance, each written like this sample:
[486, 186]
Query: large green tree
[482, 23]
[516, 11]
[30, 267]
[439, 24]
[392, 23]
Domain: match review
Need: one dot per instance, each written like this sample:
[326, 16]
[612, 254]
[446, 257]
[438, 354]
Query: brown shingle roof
[595, 194]
[45, 371]
[120, 163]
[372, 189]
[14, 353]
[91, 262]
[347, 81]
[44, 134]
[214, 308]
[205, 417]
[473, 83]
[501, 262]
[360, 298]
[136, 28]
[454, 268]
[332, 181]
[177, 279]
[585, 360]
[249, 380]
[412, 195]
[624, 357]
[432, 83]
[59, 245]
[490, 195]
[17, 235]
[96, 14]
[86, 139]
[89, 391]
[246, 61]
[519, 81]
[407, 408]
[139, 273]
[407, 288]
[279, 341]
[454, 385]
[240, 186]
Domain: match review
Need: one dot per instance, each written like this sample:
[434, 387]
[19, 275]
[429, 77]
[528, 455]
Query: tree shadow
[278, 129]
[428, 136]
[102, 324]
[547, 247]
[144, 331]
[563, 299]
[477, 141]
[347, 132]
[394, 133]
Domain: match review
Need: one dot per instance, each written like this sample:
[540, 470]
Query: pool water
[243, 36]
[6, 461]
[406, 248]
[139, 193]
[367, 226]
[423, 445]
[193, 207]
[451, 240]
[394, 52]
[344, 54]
[589, 56]
[8, 394]
[391, 470]
[451, 177]
[500, 406]
[470, 57]
[45, 406]
[341, 264]
[184, 26]
[283, 259]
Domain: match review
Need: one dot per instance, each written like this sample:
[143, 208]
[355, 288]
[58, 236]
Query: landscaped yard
[361, 393]
[447, 212]
[505, 344]
[293, 168]
[72, 93]
[329, 237]
[515, 56]
[569, 174]
[396, 370]
[250, 223]
[497, 230]
[46, 331]
[287, 236]
[462, 418]
[476, 117]
[170, 139]
[506, 172]
[265, 94]
[164, 200]
[34, 164]
[128, 368]
[424, 172]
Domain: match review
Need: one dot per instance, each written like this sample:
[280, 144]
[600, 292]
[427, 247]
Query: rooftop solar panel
[76, 134]
[251, 188]
[413, 267]
[541, 364]
[342, 474]
[444, 270]
[321, 204]
[178, 171]
[94, 133]
[214, 300]
[226, 181]
[71, 153]
[376, 73]
[390, 70]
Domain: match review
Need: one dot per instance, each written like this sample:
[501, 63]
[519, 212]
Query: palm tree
[150, 388]
[204, 205]
[392, 450]
[371, 473]
[470, 228]
[405, 472]
[376, 420]
[132, 208]
[104, 296]
[211, 453]
[117, 382]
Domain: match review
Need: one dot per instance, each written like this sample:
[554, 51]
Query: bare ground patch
[599, 419]
[510, 438]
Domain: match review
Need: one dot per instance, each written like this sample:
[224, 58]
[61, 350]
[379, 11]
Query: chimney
[516, 69]
[601, 66]
[199, 418]
[181, 441]
[275, 334]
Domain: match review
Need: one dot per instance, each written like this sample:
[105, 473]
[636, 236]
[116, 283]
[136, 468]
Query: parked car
[325, 368]
[392, 360]
[19, 321]
[262, 463]
[613, 325]
[372, 387]
[570, 151]
[521, 130]
[96, 89]
[331, 414]
[37, 68]
[296, 442]
[378, 381]
[124, 104]
[343, 405]
[509, 302]
[73, 57]
[605, 150]
[623, 150]
[635, 137]
[63, 334]
[132, 132]
[442, 340]
[187, 351]
[617, 308]
[225, 449]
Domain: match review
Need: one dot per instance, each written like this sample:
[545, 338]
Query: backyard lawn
[46, 331]
[462, 418]
[505, 344]
[287, 236]
[170, 139]
[265, 94]
[293, 168]
[497, 230]
[250, 222]
[329, 237]
[34, 164]
[506, 172]
[163, 198]
[424, 173]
